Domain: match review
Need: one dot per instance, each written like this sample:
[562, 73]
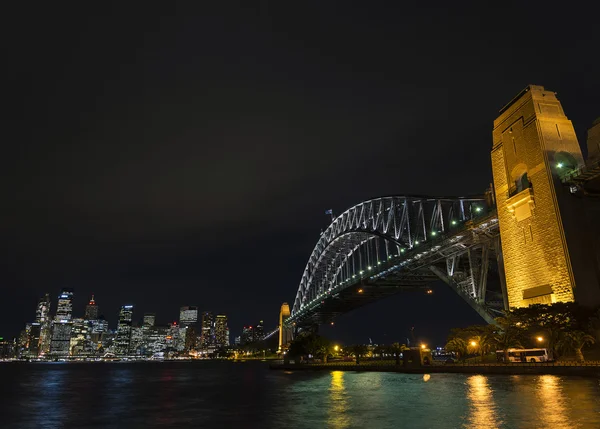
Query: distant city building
[238, 340]
[91, 310]
[123, 338]
[80, 344]
[42, 313]
[42, 316]
[247, 335]
[259, 331]
[64, 309]
[98, 329]
[7, 349]
[188, 316]
[137, 340]
[221, 331]
[172, 342]
[208, 331]
[60, 344]
[188, 320]
[33, 346]
[149, 320]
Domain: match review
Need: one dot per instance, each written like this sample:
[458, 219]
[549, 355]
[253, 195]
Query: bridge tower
[285, 333]
[544, 246]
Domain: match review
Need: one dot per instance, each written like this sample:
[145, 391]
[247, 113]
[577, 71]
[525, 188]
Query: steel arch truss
[400, 241]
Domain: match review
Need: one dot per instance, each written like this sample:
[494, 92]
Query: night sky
[174, 156]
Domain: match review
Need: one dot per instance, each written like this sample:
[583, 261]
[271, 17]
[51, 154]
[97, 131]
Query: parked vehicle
[525, 355]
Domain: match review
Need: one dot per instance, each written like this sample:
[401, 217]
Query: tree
[507, 339]
[575, 341]
[396, 349]
[458, 346]
[594, 325]
[358, 351]
[480, 344]
[380, 350]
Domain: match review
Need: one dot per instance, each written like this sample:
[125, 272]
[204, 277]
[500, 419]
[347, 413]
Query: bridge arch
[377, 236]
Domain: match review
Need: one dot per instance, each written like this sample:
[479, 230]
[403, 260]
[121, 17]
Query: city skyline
[62, 334]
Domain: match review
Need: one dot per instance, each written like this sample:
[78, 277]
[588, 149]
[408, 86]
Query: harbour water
[210, 394]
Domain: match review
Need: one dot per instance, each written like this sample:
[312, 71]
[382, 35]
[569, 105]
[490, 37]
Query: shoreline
[511, 369]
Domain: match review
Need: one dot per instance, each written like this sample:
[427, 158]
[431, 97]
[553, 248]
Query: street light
[423, 346]
[473, 343]
[360, 291]
[540, 339]
[336, 348]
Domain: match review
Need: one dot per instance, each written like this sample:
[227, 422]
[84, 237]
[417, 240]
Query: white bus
[525, 355]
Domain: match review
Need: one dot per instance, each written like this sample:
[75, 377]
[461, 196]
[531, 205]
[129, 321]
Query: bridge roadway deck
[409, 271]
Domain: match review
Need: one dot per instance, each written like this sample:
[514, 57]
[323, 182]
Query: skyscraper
[123, 338]
[64, 309]
[208, 330]
[149, 320]
[188, 315]
[42, 316]
[61, 326]
[247, 335]
[91, 310]
[221, 331]
[259, 331]
[188, 320]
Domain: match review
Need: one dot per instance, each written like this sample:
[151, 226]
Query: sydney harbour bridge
[515, 245]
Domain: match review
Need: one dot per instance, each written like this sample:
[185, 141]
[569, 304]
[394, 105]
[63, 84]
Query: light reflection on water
[224, 395]
[338, 398]
[483, 408]
[554, 413]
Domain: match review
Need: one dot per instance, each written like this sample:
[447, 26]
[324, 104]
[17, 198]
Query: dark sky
[175, 156]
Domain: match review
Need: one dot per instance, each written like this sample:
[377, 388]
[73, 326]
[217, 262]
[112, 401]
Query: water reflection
[482, 406]
[338, 402]
[553, 413]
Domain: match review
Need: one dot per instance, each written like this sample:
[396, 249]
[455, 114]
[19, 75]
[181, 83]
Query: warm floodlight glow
[360, 291]
[473, 343]
[423, 346]
[336, 348]
[540, 339]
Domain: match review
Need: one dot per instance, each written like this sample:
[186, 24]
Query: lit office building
[7, 349]
[42, 316]
[123, 338]
[172, 338]
[80, 344]
[98, 328]
[188, 320]
[247, 335]
[33, 346]
[221, 331]
[149, 320]
[64, 309]
[208, 330]
[60, 344]
[137, 340]
[91, 310]
[188, 316]
[259, 331]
